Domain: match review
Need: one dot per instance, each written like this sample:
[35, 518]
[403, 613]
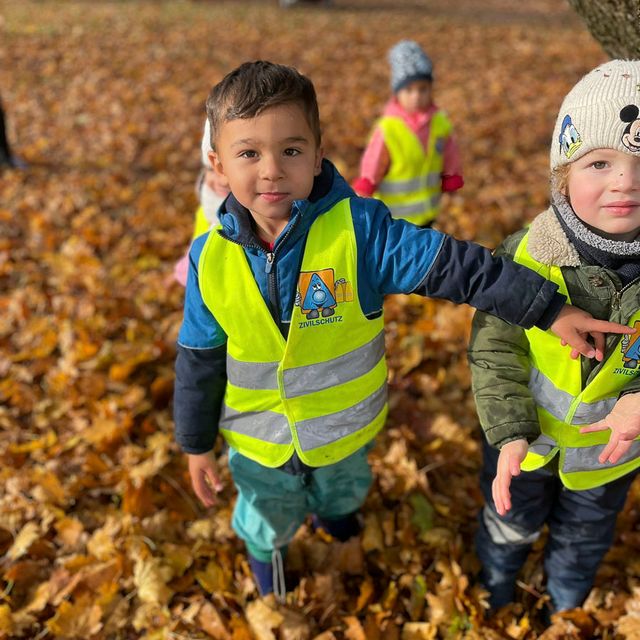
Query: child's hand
[573, 325]
[511, 456]
[624, 422]
[205, 479]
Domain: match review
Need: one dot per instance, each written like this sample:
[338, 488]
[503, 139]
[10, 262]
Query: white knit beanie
[408, 63]
[206, 144]
[602, 111]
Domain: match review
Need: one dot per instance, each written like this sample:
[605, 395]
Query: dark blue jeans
[581, 528]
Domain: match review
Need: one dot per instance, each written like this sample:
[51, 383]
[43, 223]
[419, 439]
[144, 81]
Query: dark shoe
[340, 528]
[263, 574]
[269, 576]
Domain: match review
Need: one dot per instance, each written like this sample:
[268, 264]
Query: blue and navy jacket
[394, 256]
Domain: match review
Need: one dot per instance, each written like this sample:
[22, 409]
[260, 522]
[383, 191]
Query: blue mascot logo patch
[319, 295]
[630, 347]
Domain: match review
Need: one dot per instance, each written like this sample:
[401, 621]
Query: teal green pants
[272, 504]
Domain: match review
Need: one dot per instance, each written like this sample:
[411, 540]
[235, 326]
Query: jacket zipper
[272, 277]
[270, 272]
[272, 286]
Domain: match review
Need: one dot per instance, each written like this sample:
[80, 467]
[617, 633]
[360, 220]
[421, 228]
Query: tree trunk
[615, 24]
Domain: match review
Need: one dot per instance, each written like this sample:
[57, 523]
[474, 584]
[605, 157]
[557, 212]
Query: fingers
[601, 425]
[608, 327]
[203, 490]
[214, 480]
[500, 491]
[620, 450]
[614, 449]
[609, 448]
[206, 483]
[598, 339]
[580, 345]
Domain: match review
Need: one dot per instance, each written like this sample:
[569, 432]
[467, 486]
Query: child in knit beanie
[561, 443]
[411, 157]
[211, 191]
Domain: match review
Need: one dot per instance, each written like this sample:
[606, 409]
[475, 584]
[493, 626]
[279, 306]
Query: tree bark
[615, 24]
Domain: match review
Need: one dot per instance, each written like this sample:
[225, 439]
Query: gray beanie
[408, 63]
[602, 111]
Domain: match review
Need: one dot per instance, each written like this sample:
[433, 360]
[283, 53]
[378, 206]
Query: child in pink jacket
[412, 156]
[211, 190]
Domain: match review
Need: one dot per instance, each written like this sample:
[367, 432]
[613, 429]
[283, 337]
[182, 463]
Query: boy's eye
[247, 154]
[599, 164]
[291, 152]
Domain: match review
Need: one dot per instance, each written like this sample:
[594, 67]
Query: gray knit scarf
[621, 257]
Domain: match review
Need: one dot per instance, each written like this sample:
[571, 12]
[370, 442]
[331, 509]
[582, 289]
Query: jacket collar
[549, 244]
[328, 188]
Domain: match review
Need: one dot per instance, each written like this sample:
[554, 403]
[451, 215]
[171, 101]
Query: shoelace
[279, 587]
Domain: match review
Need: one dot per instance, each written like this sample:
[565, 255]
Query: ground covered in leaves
[100, 534]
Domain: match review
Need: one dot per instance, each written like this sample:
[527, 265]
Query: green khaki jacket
[499, 352]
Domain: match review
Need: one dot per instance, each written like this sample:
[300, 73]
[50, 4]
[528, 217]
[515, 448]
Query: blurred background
[100, 534]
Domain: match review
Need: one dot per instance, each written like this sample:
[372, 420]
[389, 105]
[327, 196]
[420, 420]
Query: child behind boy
[412, 157]
[211, 190]
[282, 343]
[530, 397]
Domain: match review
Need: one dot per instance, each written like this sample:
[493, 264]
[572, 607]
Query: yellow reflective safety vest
[413, 185]
[201, 224]
[564, 403]
[322, 391]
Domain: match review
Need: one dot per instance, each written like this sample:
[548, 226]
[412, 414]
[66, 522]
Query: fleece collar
[549, 244]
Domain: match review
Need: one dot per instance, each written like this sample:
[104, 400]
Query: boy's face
[604, 190]
[269, 161]
[416, 96]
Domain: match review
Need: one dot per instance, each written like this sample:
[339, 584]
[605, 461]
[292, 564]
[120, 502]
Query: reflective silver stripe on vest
[313, 377]
[588, 412]
[252, 375]
[415, 209]
[586, 458]
[264, 425]
[558, 402]
[542, 445]
[317, 432]
[413, 184]
[300, 381]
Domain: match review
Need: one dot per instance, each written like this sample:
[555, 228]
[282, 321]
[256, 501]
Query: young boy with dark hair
[282, 344]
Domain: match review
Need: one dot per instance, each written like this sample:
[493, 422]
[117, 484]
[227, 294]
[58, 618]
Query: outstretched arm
[624, 422]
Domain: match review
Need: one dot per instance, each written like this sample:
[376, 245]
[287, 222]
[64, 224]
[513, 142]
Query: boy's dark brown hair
[253, 87]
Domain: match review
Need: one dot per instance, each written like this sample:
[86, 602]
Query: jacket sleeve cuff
[363, 187]
[452, 183]
[498, 436]
[550, 314]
